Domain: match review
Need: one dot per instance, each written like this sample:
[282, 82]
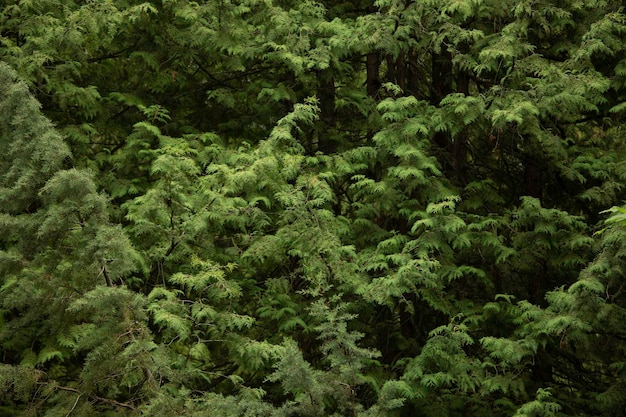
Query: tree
[311, 208]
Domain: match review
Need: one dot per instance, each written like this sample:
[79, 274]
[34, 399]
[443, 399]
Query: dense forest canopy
[312, 208]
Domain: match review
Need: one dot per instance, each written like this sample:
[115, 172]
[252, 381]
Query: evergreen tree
[280, 208]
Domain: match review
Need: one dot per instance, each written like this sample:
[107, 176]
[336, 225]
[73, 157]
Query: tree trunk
[533, 180]
[373, 74]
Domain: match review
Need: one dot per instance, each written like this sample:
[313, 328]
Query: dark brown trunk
[403, 72]
[373, 74]
[107, 278]
[412, 75]
[326, 96]
[441, 74]
[459, 157]
[533, 180]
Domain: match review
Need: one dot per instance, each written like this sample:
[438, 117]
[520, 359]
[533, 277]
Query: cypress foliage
[312, 208]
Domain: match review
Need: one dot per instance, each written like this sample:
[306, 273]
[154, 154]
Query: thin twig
[74, 406]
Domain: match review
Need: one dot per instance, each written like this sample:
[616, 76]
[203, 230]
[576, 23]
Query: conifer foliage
[312, 208]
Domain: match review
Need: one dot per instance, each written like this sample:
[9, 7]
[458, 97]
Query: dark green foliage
[309, 208]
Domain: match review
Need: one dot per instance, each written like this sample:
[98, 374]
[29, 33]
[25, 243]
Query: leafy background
[310, 208]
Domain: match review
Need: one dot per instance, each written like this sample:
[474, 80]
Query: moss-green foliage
[312, 208]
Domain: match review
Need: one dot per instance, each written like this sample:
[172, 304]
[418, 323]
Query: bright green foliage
[32, 150]
[312, 208]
